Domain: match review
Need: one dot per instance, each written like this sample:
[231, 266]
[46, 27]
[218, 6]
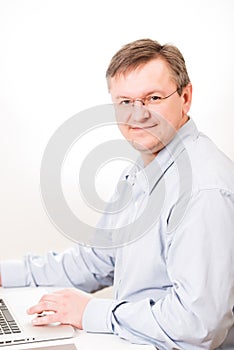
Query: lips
[137, 127]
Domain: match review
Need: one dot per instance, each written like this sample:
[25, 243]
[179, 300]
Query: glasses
[145, 101]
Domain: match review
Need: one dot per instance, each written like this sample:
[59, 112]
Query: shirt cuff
[97, 316]
[14, 273]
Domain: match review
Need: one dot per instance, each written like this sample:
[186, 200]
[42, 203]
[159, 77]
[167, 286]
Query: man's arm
[197, 312]
[79, 267]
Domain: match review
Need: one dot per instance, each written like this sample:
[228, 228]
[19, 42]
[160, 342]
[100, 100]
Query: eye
[125, 102]
[154, 98]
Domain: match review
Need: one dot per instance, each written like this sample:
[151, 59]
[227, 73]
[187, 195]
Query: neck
[148, 158]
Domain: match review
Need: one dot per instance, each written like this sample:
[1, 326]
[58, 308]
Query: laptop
[15, 324]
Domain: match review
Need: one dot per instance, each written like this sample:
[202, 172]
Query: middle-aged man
[174, 286]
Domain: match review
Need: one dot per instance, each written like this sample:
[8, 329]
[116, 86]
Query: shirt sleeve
[89, 269]
[79, 266]
[197, 312]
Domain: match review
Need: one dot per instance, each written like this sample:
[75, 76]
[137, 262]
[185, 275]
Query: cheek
[123, 129]
[172, 114]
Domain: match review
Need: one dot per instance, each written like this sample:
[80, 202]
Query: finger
[42, 306]
[46, 319]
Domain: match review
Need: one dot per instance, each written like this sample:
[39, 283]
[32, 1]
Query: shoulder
[211, 168]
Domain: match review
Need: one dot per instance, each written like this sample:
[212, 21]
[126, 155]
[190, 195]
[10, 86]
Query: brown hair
[139, 52]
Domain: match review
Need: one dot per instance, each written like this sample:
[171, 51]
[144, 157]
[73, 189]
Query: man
[174, 285]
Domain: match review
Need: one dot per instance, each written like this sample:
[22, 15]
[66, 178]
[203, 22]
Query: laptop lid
[20, 330]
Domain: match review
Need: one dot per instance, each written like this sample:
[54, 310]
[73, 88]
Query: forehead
[152, 76]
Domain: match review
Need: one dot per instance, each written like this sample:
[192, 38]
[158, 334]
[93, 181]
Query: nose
[139, 112]
[138, 102]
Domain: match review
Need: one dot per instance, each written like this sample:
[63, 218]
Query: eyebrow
[146, 94]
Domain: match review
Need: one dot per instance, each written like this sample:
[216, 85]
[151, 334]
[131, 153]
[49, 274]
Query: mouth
[137, 127]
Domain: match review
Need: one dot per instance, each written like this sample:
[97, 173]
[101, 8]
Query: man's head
[150, 85]
[137, 53]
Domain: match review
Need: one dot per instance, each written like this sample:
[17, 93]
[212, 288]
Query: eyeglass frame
[131, 102]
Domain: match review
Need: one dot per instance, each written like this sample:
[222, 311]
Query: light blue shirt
[174, 285]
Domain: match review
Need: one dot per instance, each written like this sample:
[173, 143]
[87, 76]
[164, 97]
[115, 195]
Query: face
[149, 127]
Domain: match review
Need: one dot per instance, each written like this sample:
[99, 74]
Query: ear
[186, 98]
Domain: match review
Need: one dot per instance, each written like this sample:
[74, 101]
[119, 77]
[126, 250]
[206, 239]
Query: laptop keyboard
[7, 323]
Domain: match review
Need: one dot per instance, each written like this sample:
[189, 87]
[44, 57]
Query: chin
[147, 148]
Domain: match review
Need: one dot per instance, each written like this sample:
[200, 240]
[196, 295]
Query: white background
[53, 57]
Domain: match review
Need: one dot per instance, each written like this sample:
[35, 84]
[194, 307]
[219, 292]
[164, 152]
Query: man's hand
[65, 306]
[0, 280]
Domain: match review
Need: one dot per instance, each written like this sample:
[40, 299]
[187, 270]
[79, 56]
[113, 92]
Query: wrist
[85, 304]
[97, 315]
